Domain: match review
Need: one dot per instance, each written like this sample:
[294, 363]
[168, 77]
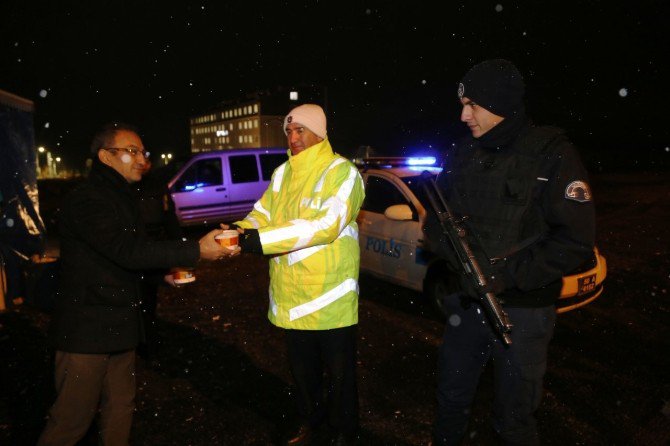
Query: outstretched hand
[210, 249]
[225, 227]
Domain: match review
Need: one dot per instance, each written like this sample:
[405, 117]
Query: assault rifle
[456, 234]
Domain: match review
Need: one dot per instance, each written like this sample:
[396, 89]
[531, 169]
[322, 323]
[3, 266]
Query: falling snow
[623, 92]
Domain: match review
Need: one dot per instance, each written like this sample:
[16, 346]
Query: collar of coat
[307, 159]
[102, 173]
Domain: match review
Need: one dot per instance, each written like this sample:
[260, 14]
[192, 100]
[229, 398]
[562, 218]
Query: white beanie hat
[310, 116]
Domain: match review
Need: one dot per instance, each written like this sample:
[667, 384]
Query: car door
[389, 247]
[200, 193]
[245, 186]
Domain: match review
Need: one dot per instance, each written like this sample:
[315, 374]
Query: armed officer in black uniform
[530, 220]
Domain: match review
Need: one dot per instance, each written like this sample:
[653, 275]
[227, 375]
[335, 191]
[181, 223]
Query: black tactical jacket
[529, 209]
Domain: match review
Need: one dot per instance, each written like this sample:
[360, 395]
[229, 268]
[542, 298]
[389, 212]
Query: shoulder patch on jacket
[578, 191]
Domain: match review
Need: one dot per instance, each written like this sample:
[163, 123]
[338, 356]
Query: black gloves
[250, 241]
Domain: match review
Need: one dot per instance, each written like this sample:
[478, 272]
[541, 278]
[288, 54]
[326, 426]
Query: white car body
[390, 226]
[393, 247]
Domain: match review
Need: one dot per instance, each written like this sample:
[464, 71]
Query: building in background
[250, 122]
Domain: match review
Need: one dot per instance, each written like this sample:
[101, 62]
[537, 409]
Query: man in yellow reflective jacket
[306, 222]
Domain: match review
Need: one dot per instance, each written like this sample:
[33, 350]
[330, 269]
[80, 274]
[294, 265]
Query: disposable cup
[181, 276]
[228, 238]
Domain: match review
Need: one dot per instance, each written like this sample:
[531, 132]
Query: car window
[380, 194]
[204, 172]
[243, 168]
[269, 162]
[414, 184]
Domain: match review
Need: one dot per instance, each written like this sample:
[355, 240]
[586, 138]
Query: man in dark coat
[525, 201]
[160, 220]
[97, 323]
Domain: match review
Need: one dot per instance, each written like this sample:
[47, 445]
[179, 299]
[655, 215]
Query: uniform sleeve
[99, 224]
[566, 205]
[323, 221]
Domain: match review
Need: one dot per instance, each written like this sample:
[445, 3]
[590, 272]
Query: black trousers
[468, 344]
[311, 353]
[148, 348]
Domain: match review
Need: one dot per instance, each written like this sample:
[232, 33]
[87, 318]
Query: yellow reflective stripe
[325, 299]
[279, 176]
[345, 192]
[319, 184]
[293, 230]
[273, 304]
[258, 207]
[304, 230]
[254, 222]
[302, 254]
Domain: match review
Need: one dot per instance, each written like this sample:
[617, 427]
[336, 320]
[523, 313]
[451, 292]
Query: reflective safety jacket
[306, 221]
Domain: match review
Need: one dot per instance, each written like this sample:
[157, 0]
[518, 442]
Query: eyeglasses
[134, 151]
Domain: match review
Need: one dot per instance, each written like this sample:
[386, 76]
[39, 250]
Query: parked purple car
[222, 186]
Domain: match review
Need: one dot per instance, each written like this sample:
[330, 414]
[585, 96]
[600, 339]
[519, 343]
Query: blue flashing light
[432, 169]
[421, 161]
[396, 161]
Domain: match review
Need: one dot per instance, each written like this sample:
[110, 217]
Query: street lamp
[57, 163]
[40, 168]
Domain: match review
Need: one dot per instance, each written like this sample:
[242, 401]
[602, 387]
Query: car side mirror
[399, 212]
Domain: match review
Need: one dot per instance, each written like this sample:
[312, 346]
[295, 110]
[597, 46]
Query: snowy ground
[223, 378]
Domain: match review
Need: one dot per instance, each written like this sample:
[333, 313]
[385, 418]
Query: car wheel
[439, 284]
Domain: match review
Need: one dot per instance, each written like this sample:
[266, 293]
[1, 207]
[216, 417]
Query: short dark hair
[103, 137]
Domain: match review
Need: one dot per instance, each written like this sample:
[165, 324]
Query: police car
[392, 241]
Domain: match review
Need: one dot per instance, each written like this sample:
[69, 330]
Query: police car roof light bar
[396, 161]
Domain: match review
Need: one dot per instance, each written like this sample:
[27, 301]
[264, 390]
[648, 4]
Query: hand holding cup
[210, 249]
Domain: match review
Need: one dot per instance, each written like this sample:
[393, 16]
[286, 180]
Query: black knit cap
[496, 85]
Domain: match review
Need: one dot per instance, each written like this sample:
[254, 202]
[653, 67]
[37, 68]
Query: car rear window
[269, 162]
[243, 168]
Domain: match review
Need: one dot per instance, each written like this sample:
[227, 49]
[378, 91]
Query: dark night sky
[391, 68]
